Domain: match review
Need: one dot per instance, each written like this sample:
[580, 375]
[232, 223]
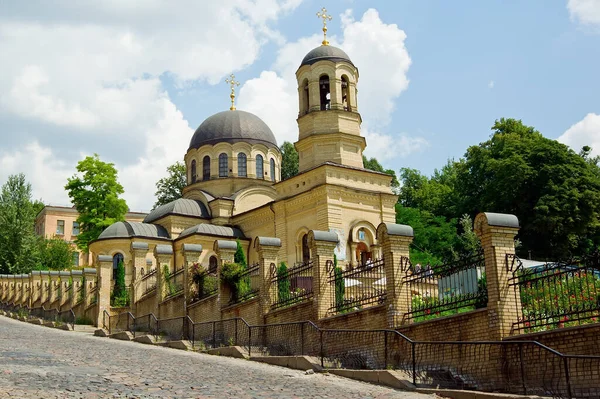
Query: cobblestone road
[39, 362]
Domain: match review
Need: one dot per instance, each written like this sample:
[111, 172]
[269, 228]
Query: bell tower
[328, 118]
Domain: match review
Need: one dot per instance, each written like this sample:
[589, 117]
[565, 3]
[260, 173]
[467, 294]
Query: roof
[181, 207]
[233, 127]
[328, 53]
[133, 229]
[213, 230]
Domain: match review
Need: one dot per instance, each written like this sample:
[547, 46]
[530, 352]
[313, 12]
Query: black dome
[233, 127]
[325, 53]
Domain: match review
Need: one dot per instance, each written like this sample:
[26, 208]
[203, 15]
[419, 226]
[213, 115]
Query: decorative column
[353, 260]
[104, 264]
[191, 254]
[44, 288]
[76, 277]
[139, 251]
[225, 251]
[90, 277]
[497, 232]
[2, 287]
[395, 240]
[268, 252]
[64, 284]
[26, 287]
[164, 257]
[322, 244]
[53, 291]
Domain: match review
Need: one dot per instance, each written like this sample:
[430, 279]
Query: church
[234, 188]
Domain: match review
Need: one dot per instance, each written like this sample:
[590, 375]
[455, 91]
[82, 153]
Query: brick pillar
[64, 284]
[34, 288]
[225, 251]
[53, 291]
[76, 276]
[91, 279]
[322, 244]
[268, 253]
[497, 232]
[191, 254]
[44, 294]
[2, 287]
[104, 266]
[139, 251]
[395, 240]
[164, 257]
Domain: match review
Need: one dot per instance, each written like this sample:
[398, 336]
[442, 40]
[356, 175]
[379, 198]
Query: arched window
[206, 168]
[272, 170]
[242, 169]
[259, 167]
[325, 93]
[193, 171]
[345, 97]
[305, 250]
[212, 264]
[117, 258]
[223, 165]
[305, 98]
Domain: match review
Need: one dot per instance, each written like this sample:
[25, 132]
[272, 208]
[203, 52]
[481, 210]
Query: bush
[231, 276]
[84, 321]
[283, 283]
[170, 285]
[120, 296]
[239, 257]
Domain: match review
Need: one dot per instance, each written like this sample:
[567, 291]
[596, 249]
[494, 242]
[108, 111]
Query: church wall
[371, 318]
[171, 307]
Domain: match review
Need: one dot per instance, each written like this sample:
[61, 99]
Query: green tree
[239, 257]
[289, 160]
[283, 283]
[55, 254]
[554, 191]
[170, 188]
[19, 252]
[95, 193]
[120, 296]
[373, 164]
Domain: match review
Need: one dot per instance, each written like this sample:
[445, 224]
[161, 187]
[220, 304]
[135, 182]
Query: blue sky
[132, 80]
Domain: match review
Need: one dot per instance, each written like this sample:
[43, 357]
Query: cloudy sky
[132, 79]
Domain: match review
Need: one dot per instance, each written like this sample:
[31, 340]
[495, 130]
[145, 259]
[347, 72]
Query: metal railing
[357, 288]
[174, 283]
[206, 285]
[555, 295]
[148, 282]
[248, 285]
[290, 286]
[435, 291]
[517, 367]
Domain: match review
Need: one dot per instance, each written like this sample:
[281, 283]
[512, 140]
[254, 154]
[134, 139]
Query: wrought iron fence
[148, 282]
[172, 329]
[285, 339]
[93, 293]
[80, 294]
[206, 285]
[219, 333]
[291, 286]
[145, 324]
[174, 282]
[357, 288]
[555, 295]
[435, 291]
[247, 286]
[67, 317]
[124, 321]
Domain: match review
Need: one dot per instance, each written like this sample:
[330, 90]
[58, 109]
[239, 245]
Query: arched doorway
[363, 253]
[305, 249]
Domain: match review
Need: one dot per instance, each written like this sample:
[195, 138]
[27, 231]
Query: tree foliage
[55, 254]
[95, 193]
[289, 160]
[170, 188]
[554, 191]
[373, 164]
[239, 257]
[18, 244]
[119, 295]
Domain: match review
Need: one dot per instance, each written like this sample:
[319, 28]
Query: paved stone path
[39, 362]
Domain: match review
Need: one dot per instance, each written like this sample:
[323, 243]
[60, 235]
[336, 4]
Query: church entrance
[363, 254]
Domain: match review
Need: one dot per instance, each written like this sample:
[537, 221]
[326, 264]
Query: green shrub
[231, 276]
[283, 282]
[84, 320]
[120, 296]
[169, 283]
[239, 257]
[340, 286]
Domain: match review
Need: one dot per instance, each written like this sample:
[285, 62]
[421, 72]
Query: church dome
[328, 53]
[233, 127]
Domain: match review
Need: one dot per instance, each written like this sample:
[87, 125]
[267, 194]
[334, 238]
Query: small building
[61, 221]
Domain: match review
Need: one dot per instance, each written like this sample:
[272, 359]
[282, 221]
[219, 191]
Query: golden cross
[231, 81]
[323, 14]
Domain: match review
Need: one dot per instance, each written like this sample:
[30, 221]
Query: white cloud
[379, 52]
[586, 12]
[584, 132]
[94, 71]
